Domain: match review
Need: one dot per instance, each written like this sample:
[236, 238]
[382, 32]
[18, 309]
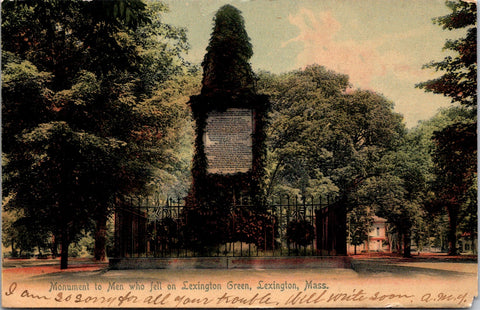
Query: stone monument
[230, 117]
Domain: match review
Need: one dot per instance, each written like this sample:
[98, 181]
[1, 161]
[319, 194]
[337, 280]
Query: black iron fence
[146, 227]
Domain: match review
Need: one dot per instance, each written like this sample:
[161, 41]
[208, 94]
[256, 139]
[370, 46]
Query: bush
[300, 232]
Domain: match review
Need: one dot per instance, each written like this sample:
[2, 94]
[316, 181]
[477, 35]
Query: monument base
[232, 262]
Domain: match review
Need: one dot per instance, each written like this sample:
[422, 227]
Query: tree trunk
[400, 240]
[54, 247]
[64, 254]
[355, 249]
[272, 179]
[407, 242]
[452, 233]
[100, 238]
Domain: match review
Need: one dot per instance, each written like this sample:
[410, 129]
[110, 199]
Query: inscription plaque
[228, 141]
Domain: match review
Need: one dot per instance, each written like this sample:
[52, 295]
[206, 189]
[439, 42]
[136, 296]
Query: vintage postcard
[239, 154]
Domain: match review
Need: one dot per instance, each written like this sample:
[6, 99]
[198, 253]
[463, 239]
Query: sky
[381, 44]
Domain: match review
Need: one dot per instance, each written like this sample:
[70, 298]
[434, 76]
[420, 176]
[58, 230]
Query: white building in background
[377, 240]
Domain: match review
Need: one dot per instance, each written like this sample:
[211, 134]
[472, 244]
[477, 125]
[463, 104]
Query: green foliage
[18, 235]
[110, 237]
[82, 120]
[459, 81]
[423, 181]
[468, 215]
[455, 144]
[64, 177]
[323, 139]
[160, 48]
[24, 92]
[455, 159]
[329, 140]
[83, 247]
[455, 168]
[359, 224]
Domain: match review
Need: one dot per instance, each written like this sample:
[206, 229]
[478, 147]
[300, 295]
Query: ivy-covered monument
[225, 213]
[230, 117]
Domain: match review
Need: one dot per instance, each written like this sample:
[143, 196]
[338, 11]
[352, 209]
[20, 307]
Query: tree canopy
[459, 81]
[455, 144]
[323, 138]
[82, 121]
[328, 140]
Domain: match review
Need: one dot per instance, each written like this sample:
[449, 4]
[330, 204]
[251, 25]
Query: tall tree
[301, 111]
[359, 225]
[418, 158]
[455, 160]
[398, 190]
[320, 132]
[77, 66]
[325, 140]
[459, 82]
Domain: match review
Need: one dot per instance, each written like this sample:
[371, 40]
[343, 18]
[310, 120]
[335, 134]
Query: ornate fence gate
[148, 228]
